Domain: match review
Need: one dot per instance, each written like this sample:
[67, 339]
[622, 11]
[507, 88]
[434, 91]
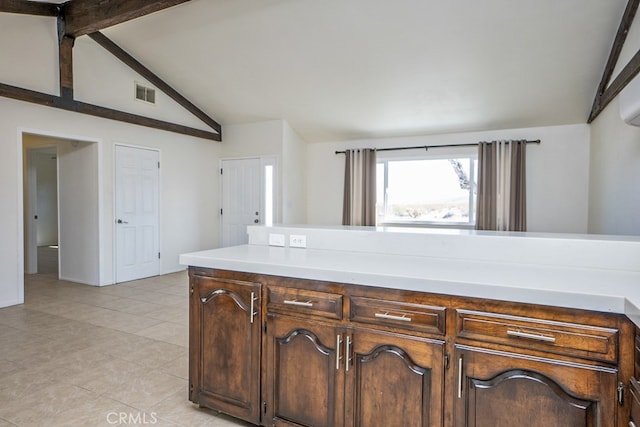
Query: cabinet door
[498, 389]
[225, 333]
[393, 380]
[304, 375]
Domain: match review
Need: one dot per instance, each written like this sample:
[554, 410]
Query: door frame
[31, 224]
[22, 170]
[265, 160]
[113, 219]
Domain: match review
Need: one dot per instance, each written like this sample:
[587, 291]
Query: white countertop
[599, 273]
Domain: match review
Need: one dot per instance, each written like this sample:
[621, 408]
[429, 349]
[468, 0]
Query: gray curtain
[359, 200]
[502, 193]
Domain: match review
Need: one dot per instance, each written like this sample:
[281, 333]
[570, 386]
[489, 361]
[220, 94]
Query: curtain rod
[426, 147]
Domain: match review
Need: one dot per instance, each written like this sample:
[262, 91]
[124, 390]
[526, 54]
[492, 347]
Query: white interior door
[241, 199]
[137, 213]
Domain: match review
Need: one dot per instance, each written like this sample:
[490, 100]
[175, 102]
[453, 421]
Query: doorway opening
[42, 169]
[61, 208]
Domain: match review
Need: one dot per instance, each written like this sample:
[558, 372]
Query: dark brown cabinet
[224, 346]
[323, 375]
[304, 375]
[634, 388]
[279, 351]
[393, 379]
[499, 389]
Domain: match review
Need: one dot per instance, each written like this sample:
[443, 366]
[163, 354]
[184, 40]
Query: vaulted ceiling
[342, 69]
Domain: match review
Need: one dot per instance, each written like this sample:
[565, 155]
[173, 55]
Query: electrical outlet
[276, 239]
[298, 241]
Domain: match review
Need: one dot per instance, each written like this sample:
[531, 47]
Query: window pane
[429, 190]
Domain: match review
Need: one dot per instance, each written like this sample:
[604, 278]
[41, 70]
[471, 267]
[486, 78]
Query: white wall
[252, 139]
[614, 199]
[614, 203]
[189, 186]
[93, 66]
[277, 139]
[29, 52]
[79, 197]
[557, 174]
[294, 154]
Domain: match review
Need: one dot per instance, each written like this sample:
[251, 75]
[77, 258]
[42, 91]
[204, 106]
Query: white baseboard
[10, 303]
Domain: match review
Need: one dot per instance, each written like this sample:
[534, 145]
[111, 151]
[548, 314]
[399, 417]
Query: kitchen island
[421, 327]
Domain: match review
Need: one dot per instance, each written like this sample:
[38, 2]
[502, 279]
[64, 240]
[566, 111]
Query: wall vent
[145, 94]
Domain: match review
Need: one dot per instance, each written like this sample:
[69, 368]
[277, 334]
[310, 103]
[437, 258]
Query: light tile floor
[78, 355]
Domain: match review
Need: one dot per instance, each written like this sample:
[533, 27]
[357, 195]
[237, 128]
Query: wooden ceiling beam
[88, 16]
[65, 63]
[25, 7]
[605, 92]
[139, 68]
[60, 102]
[80, 17]
[622, 79]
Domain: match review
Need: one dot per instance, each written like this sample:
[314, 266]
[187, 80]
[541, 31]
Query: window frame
[437, 154]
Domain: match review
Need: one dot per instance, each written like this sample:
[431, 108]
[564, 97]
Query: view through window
[435, 191]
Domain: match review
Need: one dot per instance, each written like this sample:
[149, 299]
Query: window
[427, 191]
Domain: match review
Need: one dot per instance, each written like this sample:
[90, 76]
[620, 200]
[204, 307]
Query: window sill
[457, 225]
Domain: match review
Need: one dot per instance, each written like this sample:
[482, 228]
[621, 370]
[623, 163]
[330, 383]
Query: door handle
[119, 221]
[256, 221]
[460, 377]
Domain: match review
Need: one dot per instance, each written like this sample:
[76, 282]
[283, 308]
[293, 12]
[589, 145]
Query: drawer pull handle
[347, 354]
[393, 317]
[538, 337]
[300, 303]
[460, 377]
[253, 300]
[338, 357]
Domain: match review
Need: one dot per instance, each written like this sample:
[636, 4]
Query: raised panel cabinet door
[496, 389]
[304, 380]
[393, 380]
[225, 334]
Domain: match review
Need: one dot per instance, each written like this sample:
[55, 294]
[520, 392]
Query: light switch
[276, 239]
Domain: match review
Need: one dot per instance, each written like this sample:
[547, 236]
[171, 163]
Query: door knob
[119, 221]
[256, 221]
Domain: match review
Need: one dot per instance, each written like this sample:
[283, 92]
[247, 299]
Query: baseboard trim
[10, 303]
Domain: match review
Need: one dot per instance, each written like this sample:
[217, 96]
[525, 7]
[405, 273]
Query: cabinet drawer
[398, 314]
[302, 301]
[567, 338]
